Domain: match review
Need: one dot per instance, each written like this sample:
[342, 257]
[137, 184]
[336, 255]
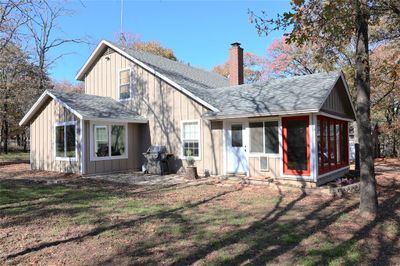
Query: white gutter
[218, 117]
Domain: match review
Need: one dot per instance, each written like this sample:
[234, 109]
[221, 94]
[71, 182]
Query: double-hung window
[65, 140]
[264, 137]
[109, 141]
[191, 139]
[125, 86]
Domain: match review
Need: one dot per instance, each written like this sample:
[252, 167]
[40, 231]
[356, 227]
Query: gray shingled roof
[97, 107]
[195, 80]
[289, 95]
[281, 96]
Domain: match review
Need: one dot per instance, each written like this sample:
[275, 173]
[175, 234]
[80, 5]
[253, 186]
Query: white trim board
[105, 43]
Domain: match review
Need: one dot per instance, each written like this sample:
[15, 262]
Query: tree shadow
[125, 224]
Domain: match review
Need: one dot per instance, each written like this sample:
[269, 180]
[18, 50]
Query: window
[101, 142]
[264, 137]
[125, 84]
[117, 140]
[65, 140]
[109, 141]
[332, 140]
[237, 135]
[191, 138]
[271, 141]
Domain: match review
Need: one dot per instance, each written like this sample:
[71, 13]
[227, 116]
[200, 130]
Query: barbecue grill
[157, 160]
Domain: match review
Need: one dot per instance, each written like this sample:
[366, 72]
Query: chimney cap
[235, 44]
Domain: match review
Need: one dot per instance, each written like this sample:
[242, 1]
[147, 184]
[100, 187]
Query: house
[293, 128]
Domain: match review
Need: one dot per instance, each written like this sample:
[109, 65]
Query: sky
[199, 32]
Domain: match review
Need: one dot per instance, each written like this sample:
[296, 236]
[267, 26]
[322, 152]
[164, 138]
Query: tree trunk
[24, 141]
[368, 198]
[5, 136]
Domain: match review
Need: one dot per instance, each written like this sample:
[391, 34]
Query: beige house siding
[338, 103]
[163, 105]
[43, 139]
[273, 167]
[133, 162]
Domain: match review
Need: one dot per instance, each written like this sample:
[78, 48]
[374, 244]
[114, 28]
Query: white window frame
[264, 154]
[197, 158]
[65, 124]
[130, 84]
[93, 156]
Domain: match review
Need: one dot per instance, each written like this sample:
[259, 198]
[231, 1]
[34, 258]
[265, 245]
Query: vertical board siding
[337, 102]
[106, 166]
[164, 106]
[43, 139]
[273, 167]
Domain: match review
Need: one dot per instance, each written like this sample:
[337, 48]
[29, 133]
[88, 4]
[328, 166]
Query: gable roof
[86, 107]
[300, 94]
[193, 82]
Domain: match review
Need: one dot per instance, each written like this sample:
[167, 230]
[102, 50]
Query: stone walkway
[138, 178]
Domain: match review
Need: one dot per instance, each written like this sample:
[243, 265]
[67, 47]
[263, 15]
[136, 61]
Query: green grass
[14, 156]
[142, 227]
[331, 253]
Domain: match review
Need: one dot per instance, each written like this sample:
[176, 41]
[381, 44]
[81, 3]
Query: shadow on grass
[279, 231]
[98, 230]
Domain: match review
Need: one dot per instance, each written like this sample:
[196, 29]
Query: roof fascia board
[81, 72]
[65, 105]
[140, 63]
[335, 116]
[138, 121]
[39, 103]
[217, 117]
[33, 110]
[346, 87]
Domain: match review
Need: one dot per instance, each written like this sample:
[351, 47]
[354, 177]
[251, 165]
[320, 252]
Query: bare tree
[12, 17]
[42, 25]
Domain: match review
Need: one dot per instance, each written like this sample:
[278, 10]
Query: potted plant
[191, 169]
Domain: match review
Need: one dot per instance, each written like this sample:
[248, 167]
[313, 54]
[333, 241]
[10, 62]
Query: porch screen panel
[338, 144]
[297, 145]
[332, 143]
[325, 143]
[271, 137]
[256, 137]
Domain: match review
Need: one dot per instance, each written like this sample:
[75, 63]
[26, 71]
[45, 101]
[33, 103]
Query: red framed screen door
[296, 145]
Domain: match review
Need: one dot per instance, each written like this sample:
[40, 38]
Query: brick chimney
[235, 64]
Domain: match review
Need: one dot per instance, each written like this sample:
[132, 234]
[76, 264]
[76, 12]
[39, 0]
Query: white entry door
[236, 148]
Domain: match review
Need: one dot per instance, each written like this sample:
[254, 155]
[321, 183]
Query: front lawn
[14, 156]
[81, 221]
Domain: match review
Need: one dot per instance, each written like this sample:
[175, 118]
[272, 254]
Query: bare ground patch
[82, 221]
